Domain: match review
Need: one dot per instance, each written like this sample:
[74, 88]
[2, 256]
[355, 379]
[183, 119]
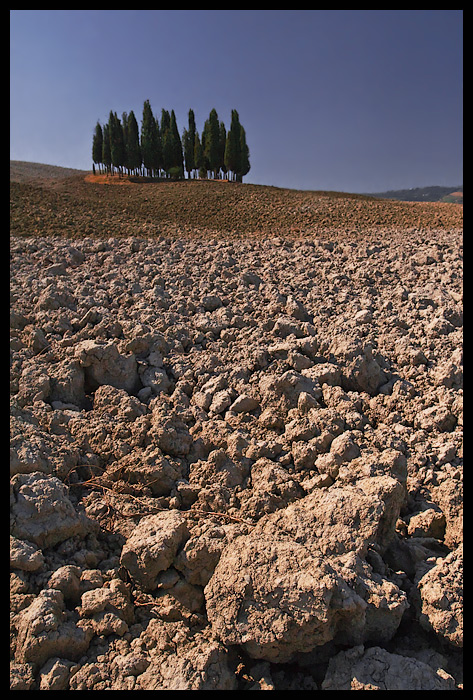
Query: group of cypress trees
[158, 150]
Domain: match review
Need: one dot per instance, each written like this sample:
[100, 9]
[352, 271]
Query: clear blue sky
[348, 100]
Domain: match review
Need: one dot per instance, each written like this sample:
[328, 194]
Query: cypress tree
[166, 140]
[117, 146]
[124, 125]
[132, 145]
[212, 142]
[148, 139]
[167, 151]
[97, 145]
[172, 145]
[244, 166]
[221, 147]
[188, 156]
[205, 167]
[158, 146]
[165, 121]
[177, 159]
[199, 156]
[188, 143]
[106, 152]
[233, 145]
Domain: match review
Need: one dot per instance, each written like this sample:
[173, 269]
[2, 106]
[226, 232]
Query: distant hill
[434, 193]
[25, 171]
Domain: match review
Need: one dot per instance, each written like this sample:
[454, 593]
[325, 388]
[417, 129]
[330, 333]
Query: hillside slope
[50, 202]
[25, 171]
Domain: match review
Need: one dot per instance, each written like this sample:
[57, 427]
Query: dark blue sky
[348, 100]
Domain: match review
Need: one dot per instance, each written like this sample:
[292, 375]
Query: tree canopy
[157, 149]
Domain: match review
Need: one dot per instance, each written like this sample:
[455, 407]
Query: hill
[434, 193]
[236, 438]
[25, 171]
[46, 200]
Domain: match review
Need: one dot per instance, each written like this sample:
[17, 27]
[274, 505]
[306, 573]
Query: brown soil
[82, 206]
[236, 437]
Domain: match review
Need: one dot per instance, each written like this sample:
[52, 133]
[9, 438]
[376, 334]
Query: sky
[344, 100]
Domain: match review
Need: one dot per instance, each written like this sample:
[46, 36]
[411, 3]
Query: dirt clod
[236, 439]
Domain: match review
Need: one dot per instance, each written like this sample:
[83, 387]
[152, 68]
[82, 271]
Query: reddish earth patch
[107, 179]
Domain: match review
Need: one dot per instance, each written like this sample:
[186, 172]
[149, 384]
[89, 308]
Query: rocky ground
[236, 462]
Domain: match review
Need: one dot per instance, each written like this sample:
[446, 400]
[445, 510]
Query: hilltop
[47, 200]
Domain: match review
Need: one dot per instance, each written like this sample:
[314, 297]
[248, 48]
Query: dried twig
[93, 483]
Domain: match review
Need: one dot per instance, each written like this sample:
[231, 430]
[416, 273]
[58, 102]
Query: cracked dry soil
[236, 454]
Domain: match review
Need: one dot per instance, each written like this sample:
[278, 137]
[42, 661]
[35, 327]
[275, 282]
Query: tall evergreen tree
[244, 166]
[199, 162]
[212, 141]
[117, 146]
[188, 143]
[97, 145]
[124, 125]
[167, 151]
[132, 145]
[172, 145]
[149, 140]
[165, 121]
[106, 151]
[159, 161]
[188, 156]
[221, 147]
[233, 145]
[205, 167]
[166, 140]
[177, 158]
